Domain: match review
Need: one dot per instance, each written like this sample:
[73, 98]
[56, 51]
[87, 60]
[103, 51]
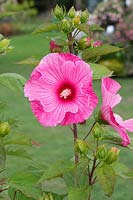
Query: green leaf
[56, 186]
[86, 28]
[111, 137]
[99, 71]
[18, 194]
[2, 157]
[17, 138]
[18, 152]
[56, 170]
[95, 27]
[29, 61]
[107, 178]
[99, 51]
[12, 81]
[129, 175]
[113, 64]
[79, 193]
[122, 170]
[26, 183]
[45, 28]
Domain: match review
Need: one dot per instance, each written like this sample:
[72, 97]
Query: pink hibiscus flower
[60, 90]
[111, 99]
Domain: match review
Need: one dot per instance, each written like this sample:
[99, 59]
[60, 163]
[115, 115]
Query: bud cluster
[69, 21]
[109, 156]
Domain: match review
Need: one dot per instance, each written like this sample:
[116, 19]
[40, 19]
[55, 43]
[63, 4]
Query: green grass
[55, 142]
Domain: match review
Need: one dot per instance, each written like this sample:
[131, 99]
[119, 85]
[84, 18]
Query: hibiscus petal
[109, 89]
[109, 117]
[47, 118]
[86, 106]
[127, 124]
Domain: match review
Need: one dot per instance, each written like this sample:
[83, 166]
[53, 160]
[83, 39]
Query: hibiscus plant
[60, 92]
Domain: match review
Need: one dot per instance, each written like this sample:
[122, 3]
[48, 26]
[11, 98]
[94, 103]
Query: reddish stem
[75, 135]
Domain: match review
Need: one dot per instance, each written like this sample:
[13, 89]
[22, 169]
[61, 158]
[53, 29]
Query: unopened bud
[97, 131]
[4, 129]
[66, 26]
[48, 196]
[71, 12]
[84, 16]
[54, 47]
[101, 153]
[76, 20]
[58, 12]
[84, 42]
[112, 155]
[97, 43]
[81, 146]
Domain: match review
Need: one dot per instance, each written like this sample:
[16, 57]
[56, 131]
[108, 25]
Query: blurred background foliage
[115, 16]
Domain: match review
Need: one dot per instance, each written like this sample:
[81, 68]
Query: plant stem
[90, 130]
[2, 190]
[75, 136]
[92, 171]
[70, 45]
[15, 193]
[89, 198]
[92, 180]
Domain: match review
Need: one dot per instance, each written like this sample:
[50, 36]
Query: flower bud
[48, 197]
[76, 20]
[112, 155]
[81, 146]
[97, 43]
[71, 12]
[84, 16]
[66, 26]
[84, 42]
[97, 131]
[4, 129]
[58, 12]
[54, 47]
[101, 153]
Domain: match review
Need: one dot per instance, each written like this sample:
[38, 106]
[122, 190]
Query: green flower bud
[71, 12]
[4, 129]
[66, 26]
[84, 16]
[58, 12]
[97, 131]
[112, 155]
[102, 153]
[81, 146]
[48, 196]
[84, 42]
[76, 20]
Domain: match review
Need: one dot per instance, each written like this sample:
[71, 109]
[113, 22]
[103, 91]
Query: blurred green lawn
[56, 143]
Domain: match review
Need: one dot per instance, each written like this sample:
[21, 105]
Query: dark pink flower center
[67, 92]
